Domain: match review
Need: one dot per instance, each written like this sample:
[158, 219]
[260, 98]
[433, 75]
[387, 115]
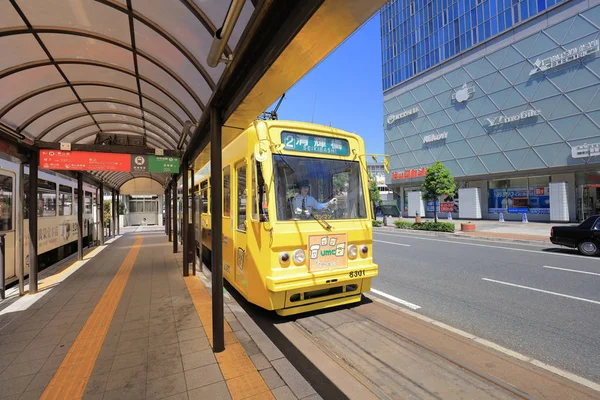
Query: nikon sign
[501, 120]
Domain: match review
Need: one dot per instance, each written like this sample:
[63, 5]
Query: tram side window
[46, 198]
[259, 195]
[6, 197]
[204, 195]
[26, 197]
[65, 200]
[87, 200]
[226, 192]
[241, 197]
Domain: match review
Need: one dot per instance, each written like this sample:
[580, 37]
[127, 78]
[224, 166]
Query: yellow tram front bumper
[325, 289]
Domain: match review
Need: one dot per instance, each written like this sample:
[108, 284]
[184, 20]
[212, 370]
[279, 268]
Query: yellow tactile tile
[241, 376]
[72, 376]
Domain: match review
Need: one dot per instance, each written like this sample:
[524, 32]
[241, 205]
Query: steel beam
[107, 149]
[174, 216]
[216, 166]
[19, 250]
[193, 199]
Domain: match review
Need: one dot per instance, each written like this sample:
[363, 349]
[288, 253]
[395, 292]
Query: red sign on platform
[409, 173]
[84, 161]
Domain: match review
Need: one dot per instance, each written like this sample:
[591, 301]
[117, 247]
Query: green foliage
[376, 222]
[403, 224]
[121, 208]
[426, 226]
[374, 190]
[438, 181]
[340, 183]
[107, 212]
[435, 226]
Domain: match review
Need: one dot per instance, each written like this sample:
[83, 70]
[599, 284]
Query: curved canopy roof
[74, 68]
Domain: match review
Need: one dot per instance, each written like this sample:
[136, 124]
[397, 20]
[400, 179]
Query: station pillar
[216, 166]
[80, 216]
[33, 222]
[174, 216]
[185, 218]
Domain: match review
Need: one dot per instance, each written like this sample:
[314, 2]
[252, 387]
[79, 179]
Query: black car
[585, 237]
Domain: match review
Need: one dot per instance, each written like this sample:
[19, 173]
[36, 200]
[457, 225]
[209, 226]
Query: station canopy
[92, 72]
[71, 69]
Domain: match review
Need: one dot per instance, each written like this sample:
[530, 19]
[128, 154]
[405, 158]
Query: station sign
[115, 162]
[567, 56]
[315, 144]
[409, 173]
[586, 150]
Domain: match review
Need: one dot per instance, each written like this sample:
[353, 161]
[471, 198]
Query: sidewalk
[535, 232]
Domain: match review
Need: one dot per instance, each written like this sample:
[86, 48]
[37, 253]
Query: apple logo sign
[462, 94]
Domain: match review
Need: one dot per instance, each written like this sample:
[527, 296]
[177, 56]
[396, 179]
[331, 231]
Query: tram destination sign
[315, 144]
[93, 161]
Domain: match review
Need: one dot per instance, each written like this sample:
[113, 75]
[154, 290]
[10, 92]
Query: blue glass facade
[417, 35]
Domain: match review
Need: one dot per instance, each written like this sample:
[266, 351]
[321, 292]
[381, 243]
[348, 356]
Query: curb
[463, 236]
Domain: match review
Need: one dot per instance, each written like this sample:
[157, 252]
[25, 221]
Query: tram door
[240, 224]
[228, 242]
[7, 222]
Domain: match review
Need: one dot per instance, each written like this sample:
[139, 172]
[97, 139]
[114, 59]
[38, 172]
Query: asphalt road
[553, 315]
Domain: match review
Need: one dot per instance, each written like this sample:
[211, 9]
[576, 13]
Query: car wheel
[588, 248]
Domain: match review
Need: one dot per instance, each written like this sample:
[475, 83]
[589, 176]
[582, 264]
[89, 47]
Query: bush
[403, 224]
[426, 226]
[435, 226]
[377, 222]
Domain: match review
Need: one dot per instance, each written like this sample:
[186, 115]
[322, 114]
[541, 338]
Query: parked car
[585, 237]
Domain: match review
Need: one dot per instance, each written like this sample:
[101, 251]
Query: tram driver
[303, 204]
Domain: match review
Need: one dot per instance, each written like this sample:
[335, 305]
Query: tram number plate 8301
[356, 274]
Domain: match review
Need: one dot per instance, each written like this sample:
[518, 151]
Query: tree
[438, 181]
[374, 191]
[107, 212]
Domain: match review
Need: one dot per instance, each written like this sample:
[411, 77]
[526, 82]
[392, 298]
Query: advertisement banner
[326, 252]
[536, 200]
[445, 205]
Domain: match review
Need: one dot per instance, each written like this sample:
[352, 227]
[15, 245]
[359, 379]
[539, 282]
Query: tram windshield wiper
[321, 221]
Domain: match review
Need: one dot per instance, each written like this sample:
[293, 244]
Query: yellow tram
[297, 231]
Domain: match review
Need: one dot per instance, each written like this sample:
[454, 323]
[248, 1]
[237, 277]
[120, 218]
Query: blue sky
[345, 89]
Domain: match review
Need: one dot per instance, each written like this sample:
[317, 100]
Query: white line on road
[460, 241]
[397, 244]
[397, 300]
[571, 270]
[542, 291]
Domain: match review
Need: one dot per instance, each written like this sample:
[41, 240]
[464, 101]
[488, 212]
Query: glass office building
[506, 93]
[418, 35]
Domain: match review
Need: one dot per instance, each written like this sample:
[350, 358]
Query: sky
[344, 90]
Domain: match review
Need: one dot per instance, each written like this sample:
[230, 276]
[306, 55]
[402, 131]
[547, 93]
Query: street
[541, 302]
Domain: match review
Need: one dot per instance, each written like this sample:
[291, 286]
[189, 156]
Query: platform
[125, 324]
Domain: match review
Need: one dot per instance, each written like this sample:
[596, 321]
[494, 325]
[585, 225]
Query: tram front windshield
[316, 188]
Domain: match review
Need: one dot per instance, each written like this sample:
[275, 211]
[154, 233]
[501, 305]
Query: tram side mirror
[261, 150]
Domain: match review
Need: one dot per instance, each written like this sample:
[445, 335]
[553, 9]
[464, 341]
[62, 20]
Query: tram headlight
[284, 257]
[299, 256]
[352, 251]
[364, 250]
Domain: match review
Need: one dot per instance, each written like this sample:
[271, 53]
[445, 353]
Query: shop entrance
[588, 194]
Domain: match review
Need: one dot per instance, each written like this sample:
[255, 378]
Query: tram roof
[79, 70]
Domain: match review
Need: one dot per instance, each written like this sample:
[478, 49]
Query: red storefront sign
[447, 207]
[84, 161]
[409, 173]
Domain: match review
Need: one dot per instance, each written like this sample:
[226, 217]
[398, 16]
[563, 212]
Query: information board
[315, 144]
[92, 161]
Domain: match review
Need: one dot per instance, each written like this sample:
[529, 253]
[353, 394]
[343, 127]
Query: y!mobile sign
[91, 161]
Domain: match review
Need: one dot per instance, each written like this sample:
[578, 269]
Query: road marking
[504, 350]
[571, 270]
[397, 244]
[459, 241]
[73, 374]
[397, 300]
[542, 291]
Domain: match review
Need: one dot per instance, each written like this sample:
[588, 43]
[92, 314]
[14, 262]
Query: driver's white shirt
[310, 203]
